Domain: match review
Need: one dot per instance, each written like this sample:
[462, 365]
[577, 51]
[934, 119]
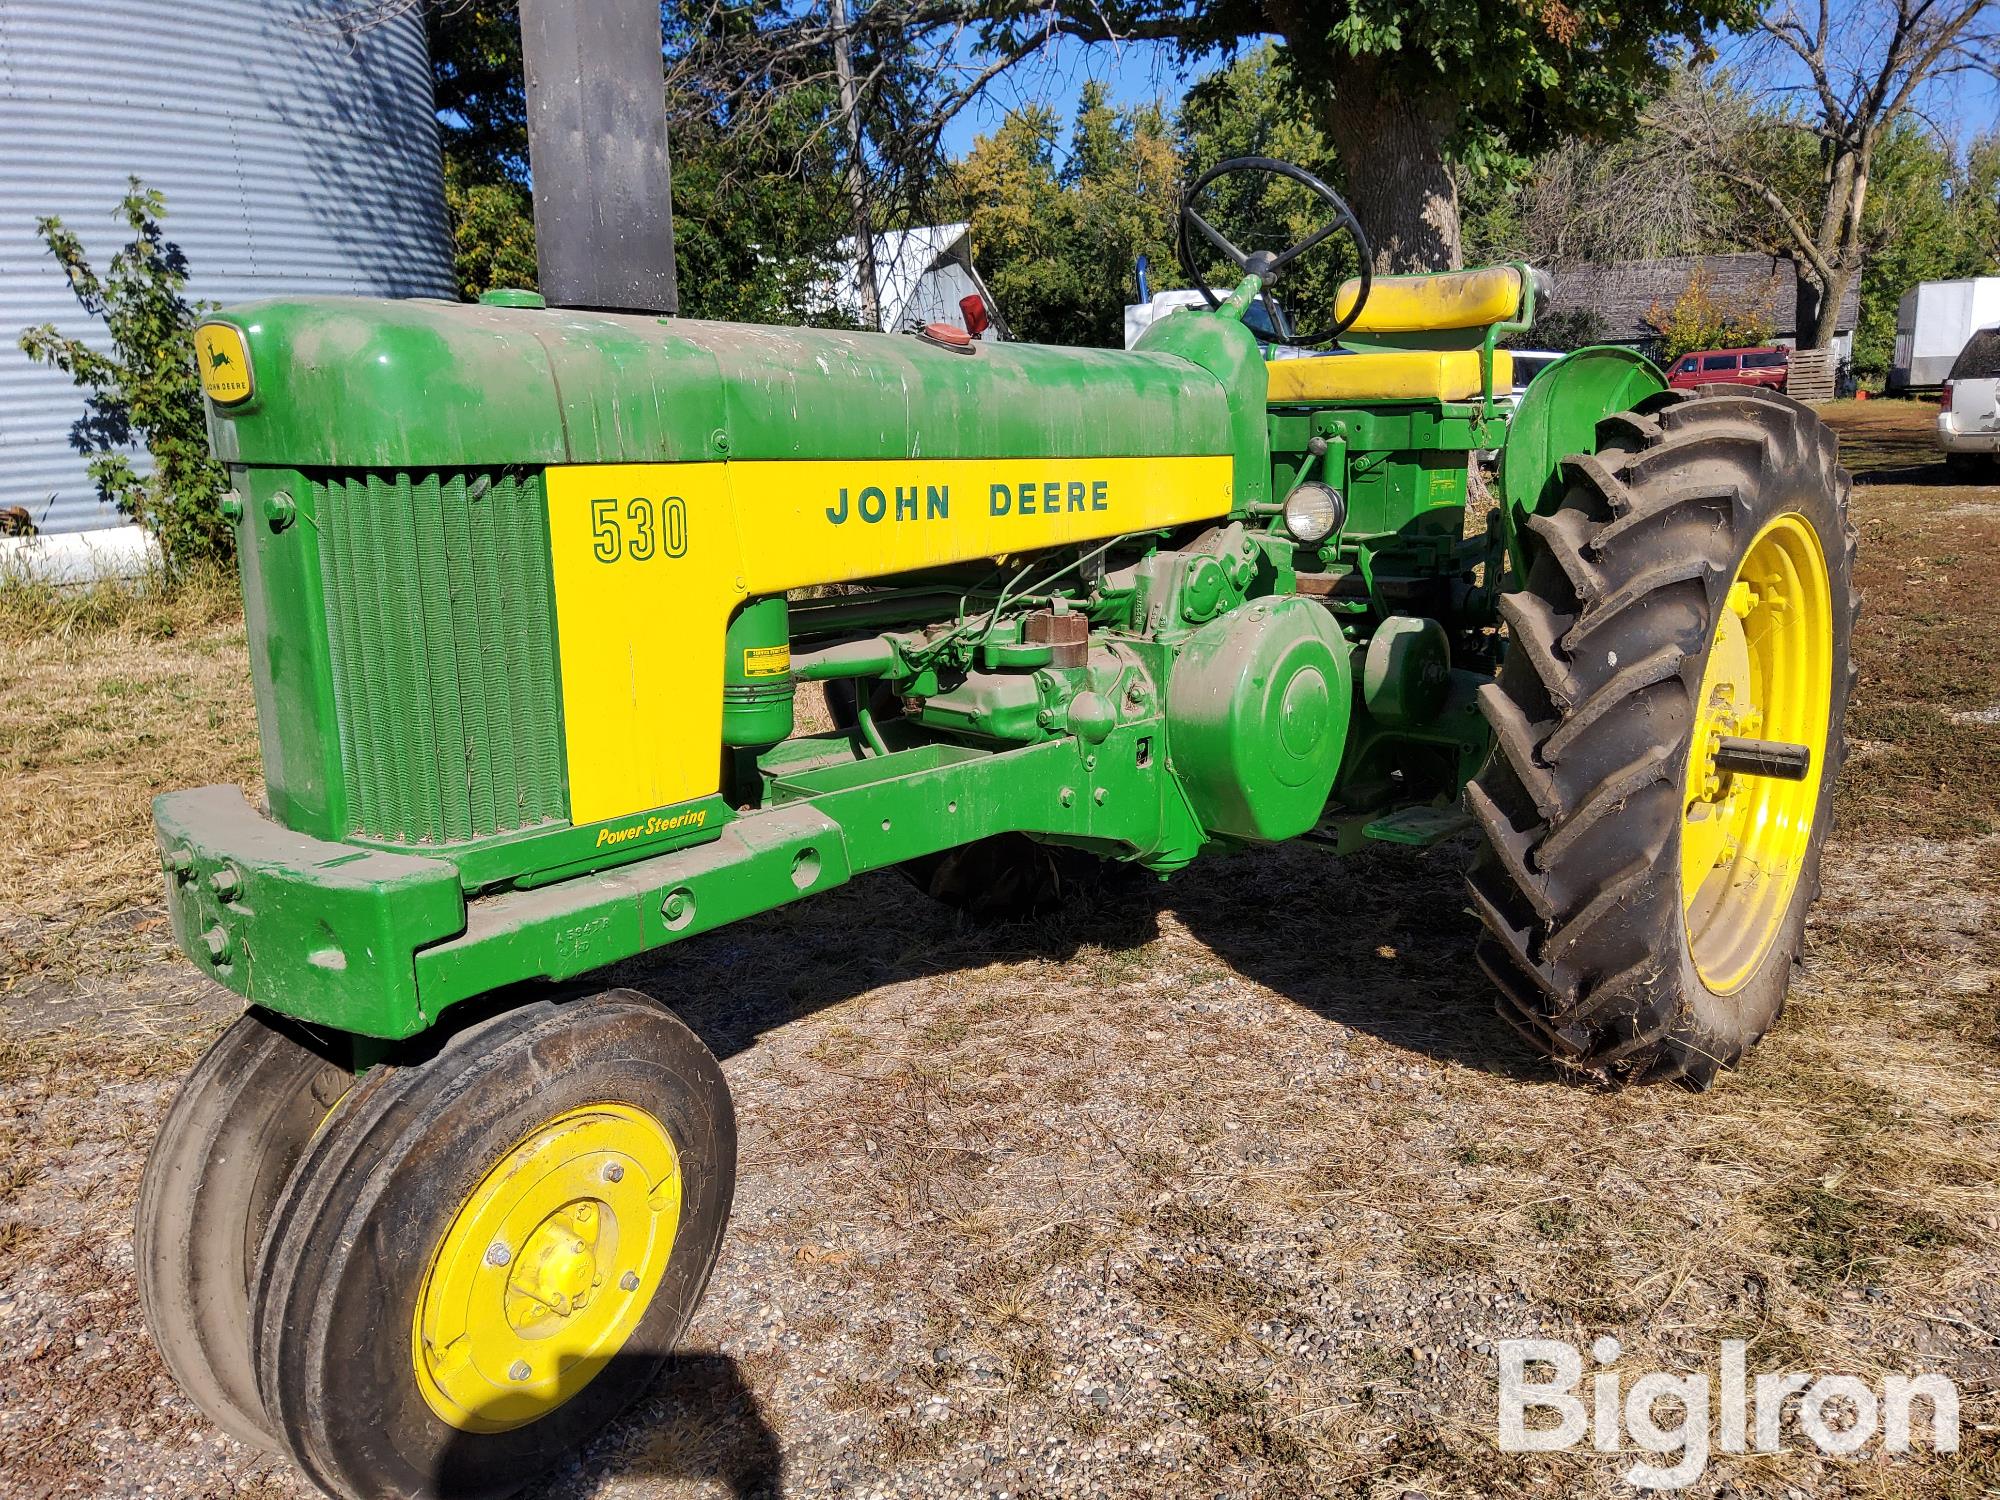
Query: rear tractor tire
[484, 1256]
[1647, 867]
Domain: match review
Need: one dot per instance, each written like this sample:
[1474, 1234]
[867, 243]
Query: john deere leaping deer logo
[224, 363]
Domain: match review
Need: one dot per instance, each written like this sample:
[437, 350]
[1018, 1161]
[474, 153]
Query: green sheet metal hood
[359, 383]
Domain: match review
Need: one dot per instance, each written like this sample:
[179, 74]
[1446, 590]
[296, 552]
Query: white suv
[1968, 424]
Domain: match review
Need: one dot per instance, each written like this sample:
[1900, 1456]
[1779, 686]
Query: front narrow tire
[237, 1128]
[1644, 908]
[488, 1254]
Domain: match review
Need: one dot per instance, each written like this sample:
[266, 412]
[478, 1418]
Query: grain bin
[296, 147]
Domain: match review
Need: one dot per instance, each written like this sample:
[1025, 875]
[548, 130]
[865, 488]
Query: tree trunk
[1845, 183]
[1805, 309]
[1826, 322]
[1393, 172]
[1848, 265]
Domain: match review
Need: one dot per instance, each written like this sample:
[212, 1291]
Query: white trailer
[1933, 321]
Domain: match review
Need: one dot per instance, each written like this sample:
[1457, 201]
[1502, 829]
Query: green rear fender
[1558, 417]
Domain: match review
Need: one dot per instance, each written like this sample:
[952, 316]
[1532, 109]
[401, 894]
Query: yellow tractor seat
[1388, 375]
[1434, 303]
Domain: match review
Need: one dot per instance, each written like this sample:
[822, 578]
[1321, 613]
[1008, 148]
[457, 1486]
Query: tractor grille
[441, 638]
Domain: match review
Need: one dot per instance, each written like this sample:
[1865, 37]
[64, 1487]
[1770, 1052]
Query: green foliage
[1931, 216]
[1592, 202]
[1495, 218]
[1513, 77]
[1701, 318]
[476, 84]
[1405, 87]
[757, 222]
[492, 230]
[146, 389]
[1057, 240]
[1058, 226]
[1252, 108]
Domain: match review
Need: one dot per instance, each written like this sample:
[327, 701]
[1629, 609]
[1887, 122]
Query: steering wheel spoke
[1281, 326]
[1291, 253]
[1217, 238]
[1267, 264]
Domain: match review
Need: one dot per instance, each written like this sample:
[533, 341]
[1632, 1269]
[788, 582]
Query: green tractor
[531, 594]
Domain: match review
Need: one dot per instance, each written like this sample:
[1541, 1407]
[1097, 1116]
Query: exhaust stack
[597, 146]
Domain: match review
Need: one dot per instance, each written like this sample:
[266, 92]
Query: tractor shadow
[698, 1421]
[1380, 942]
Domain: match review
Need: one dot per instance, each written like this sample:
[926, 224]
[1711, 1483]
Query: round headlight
[1314, 512]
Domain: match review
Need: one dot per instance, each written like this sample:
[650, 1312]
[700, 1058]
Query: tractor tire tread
[1577, 883]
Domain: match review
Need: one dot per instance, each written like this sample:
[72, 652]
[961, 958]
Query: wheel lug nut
[520, 1370]
[613, 1172]
[498, 1254]
[629, 1281]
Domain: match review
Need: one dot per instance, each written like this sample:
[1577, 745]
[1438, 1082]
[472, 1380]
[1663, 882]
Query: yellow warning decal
[224, 363]
[767, 661]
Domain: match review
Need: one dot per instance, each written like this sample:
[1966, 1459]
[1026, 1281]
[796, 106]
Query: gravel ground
[1222, 1187]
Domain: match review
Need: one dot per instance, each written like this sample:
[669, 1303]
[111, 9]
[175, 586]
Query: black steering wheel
[1266, 263]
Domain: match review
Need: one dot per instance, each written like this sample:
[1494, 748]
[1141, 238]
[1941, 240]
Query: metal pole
[857, 178]
[597, 142]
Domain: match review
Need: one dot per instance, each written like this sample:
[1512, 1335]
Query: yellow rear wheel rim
[1744, 839]
[547, 1267]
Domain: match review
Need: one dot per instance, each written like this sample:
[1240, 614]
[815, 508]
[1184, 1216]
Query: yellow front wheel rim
[1744, 839]
[547, 1268]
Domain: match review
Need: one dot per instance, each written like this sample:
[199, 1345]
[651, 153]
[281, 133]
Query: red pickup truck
[1731, 367]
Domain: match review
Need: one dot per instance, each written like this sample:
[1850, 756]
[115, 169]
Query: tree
[1407, 87]
[1057, 230]
[1251, 108]
[1807, 161]
[1701, 318]
[1563, 330]
[492, 230]
[1978, 200]
[476, 85]
[1926, 221]
[1590, 202]
[145, 390]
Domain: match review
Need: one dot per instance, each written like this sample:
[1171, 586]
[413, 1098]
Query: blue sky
[1138, 71]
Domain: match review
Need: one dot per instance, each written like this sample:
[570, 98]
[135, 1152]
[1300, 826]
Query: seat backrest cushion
[1440, 301]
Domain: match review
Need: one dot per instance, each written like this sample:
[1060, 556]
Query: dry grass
[1223, 1186]
[1929, 659]
[108, 696]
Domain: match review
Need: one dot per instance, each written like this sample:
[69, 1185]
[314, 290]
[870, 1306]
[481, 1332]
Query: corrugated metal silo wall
[295, 157]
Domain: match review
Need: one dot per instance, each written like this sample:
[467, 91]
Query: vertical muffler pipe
[597, 146]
